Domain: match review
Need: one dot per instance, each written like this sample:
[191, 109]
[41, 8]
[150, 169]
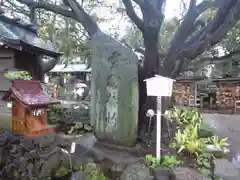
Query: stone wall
[31, 157]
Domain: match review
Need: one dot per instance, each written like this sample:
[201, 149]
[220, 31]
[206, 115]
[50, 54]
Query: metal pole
[159, 114]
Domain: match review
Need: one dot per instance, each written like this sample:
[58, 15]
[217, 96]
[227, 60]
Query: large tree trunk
[149, 69]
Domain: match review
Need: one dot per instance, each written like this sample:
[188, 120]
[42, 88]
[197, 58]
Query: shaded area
[31, 157]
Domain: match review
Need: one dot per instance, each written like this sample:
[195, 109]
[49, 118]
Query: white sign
[9, 104]
[73, 147]
[159, 86]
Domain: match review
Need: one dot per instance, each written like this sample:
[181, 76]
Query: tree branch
[202, 62]
[49, 7]
[210, 40]
[139, 2]
[132, 14]
[180, 36]
[79, 14]
[192, 4]
[206, 38]
[86, 20]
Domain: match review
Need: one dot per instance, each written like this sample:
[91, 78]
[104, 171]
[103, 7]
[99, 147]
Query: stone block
[163, 174]
[114, 111]
[136, 172]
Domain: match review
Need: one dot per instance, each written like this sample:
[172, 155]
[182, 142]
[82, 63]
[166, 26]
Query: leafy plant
[62, 171]
[17, 75]
[194, 138]
[188, 140]
[152, 161]
[179, 141]
[185, 116]
[219, 143]
[81, 128]
[165, 161]
[93, 173]
[54, 112]
[204, 163]
[169, 161]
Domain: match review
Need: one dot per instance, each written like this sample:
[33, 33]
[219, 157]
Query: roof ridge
[17, 21]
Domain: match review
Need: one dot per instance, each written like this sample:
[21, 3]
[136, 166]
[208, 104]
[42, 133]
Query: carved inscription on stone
[112, 102]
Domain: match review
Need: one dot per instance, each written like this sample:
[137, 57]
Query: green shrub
[54, 113]
[194, 138]
[15, 75]
[185, 116]
[164, 161]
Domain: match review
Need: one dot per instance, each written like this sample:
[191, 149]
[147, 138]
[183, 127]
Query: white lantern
[159, 86]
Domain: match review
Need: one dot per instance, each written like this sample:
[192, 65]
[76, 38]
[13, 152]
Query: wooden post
[195, 93]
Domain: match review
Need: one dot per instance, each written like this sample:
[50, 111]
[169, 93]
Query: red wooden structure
[29, 107]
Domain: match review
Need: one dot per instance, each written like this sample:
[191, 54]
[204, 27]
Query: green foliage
[165, 161]
[219, 143]
[17, 75]
[93, 173]
[190, 141]
[67, 34]
[90, 172]
[152, 161]
[54, 112]
[62, 171]
[185, 116]
[134, 37]
[205, 163]
[81, 128]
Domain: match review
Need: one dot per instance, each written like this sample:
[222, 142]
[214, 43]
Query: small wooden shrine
[29, 103]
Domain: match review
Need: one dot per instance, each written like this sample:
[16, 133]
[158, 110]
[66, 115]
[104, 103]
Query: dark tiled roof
[190, 78]
[29, 93]
[14, 32]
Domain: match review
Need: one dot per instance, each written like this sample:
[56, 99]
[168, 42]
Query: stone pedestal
[114, 91]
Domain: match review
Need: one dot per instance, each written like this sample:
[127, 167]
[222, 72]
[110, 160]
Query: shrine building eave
[15, 33]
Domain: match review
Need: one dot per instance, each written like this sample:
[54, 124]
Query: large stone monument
[114, 91]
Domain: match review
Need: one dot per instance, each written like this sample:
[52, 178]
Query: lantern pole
[159, 115]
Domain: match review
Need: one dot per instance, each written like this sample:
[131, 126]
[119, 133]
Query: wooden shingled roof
[30, 94]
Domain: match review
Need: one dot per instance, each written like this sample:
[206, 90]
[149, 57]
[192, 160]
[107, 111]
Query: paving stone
[224, 168]
[136, 172]
[186, 173]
